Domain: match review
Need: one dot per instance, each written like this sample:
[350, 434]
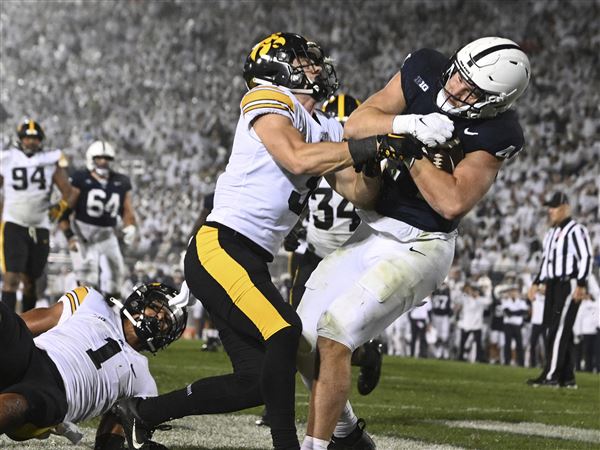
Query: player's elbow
[453, 210]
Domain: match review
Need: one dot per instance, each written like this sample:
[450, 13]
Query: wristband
[68, 233]
[401, 124]
[361, 150]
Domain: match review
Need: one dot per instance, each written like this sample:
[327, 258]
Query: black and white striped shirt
[567, 253]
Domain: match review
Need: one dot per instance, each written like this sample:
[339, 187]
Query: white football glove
[183, 299]
[431, 129]
[129, 233]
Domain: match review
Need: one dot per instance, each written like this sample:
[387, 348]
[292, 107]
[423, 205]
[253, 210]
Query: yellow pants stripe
[237, 283]
[2, 260]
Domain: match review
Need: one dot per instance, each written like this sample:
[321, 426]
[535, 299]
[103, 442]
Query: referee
[566, 266]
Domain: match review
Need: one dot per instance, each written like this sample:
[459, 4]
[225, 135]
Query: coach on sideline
[566, 266]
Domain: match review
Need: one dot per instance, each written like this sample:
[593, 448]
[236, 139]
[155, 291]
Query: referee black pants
[259, 331]
[559, 316]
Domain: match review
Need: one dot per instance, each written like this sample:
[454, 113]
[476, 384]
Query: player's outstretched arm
[288, 148]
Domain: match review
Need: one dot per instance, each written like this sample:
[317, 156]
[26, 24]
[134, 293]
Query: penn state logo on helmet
[280, 59]
[498, 71]
[340, 107]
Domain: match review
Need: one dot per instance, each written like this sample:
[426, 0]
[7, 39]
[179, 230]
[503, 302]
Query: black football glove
[369, 168]
[399, 147]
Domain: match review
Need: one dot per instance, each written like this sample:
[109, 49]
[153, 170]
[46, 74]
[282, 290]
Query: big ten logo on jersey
[421, 83]
[324, 137]
[99, 202]
[263, 47]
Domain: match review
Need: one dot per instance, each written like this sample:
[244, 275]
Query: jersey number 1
[104, 353]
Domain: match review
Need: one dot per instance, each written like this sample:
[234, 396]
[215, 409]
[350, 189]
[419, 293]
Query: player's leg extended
[395, 279]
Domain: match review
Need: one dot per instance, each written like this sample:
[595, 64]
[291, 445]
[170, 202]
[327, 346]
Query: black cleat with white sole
[359, 439]
[137, 432]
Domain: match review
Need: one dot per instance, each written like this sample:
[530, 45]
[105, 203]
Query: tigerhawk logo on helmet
[280, 59]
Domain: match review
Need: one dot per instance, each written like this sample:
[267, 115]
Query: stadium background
[162, 81]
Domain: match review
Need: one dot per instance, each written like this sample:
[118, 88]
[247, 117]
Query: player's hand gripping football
[431, 129]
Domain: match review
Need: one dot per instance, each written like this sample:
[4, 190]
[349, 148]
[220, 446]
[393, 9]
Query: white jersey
[255, 195]
[28, 185]
[97, 365]
[331, 220]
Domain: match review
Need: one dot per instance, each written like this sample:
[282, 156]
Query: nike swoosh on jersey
[470, 133]
[412, 249]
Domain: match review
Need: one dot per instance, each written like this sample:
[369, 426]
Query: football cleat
[369, 375]
[263, 420]
[359, 439]
[571, 384]
[137, 432]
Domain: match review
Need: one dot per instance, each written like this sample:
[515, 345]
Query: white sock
[319, 444]
[307, 443]
[346, 423]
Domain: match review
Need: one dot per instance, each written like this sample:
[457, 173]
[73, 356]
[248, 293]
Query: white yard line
[214, 432]
[530, 429]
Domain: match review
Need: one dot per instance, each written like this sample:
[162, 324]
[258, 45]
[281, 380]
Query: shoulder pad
[267, 98]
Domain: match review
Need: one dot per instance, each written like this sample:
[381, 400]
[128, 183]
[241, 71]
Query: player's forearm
[320, 159]
[360, 190]
[368, 121]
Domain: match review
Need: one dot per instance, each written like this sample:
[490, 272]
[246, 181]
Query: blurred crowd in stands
[162, 81]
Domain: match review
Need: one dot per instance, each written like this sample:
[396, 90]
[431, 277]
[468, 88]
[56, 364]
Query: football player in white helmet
[403, 250]
[102, 195]
[27, 174]
[86, 358]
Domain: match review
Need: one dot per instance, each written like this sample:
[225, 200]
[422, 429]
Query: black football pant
[559, 316]
[418, 329]
[259, 331]
[513, 332]
[464, 335]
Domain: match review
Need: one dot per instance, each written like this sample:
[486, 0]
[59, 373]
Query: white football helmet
[97, 149]
[498, 70]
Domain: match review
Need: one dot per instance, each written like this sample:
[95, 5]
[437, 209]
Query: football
[446, 157]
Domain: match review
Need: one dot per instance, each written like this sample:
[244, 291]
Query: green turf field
[419, 404]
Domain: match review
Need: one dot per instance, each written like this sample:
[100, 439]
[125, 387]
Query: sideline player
[101, 196]
[27, 173]
[403, 250]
